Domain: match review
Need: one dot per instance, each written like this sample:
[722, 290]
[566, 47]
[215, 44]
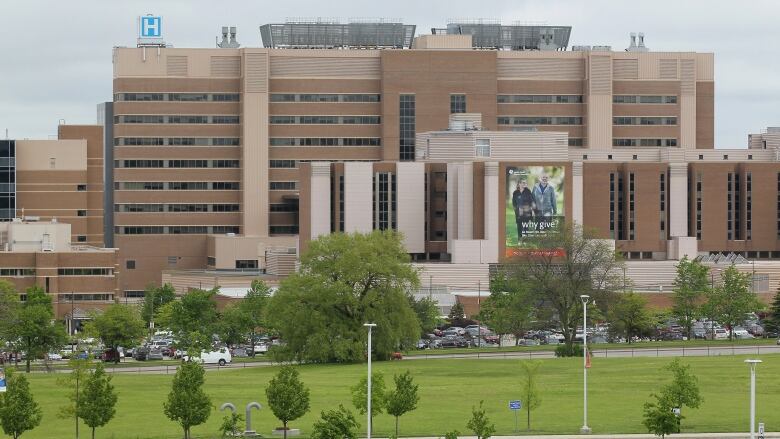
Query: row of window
[643, 99]
[326, 97]
[645, 142]
[155, 208]
[17, 272]
[283, 208]
[325, 120]
[325, 141]
[88, 297]
[283, 185]
[161, 118]
[539, 120]
[178, 97]
[282, 164]
[176, 163]
[283, 230]
[539, 99]
[85, 271]
[177, 185]
[644, 120]
[177, 141]
[175, 230]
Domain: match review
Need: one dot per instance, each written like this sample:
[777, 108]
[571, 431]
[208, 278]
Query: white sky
[56, 55]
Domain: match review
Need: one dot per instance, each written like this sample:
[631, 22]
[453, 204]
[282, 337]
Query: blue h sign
[151, 27]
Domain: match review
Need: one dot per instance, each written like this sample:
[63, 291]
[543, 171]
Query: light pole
[370, 326]
[585, 429]
[752, 364]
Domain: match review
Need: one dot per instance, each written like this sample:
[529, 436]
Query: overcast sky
[56, 55]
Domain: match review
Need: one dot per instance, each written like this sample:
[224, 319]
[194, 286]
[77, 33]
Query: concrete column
[410, 203]
[465, 207]
[491, 245]
[678, 199]
[452, 203]
[254, 137]
[576, 193]
[599, 100]
[358, 197]
[320, 199]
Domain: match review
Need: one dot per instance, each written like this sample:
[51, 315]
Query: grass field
[618, 388]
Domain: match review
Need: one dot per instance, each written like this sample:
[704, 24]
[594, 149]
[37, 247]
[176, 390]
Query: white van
[220, 356]
[721, 334]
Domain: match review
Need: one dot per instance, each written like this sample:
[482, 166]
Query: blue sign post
[515, 406]
[2, 380]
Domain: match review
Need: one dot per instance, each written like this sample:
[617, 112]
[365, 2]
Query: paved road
[633, 436]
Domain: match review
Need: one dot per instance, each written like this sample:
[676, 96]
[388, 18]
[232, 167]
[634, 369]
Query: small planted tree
[336, 424]
[733, 299]
[230, 425]
[18, 410]
[690, 285]
[360, 395]
[118, 325]
[287, 396]
[97, 402]
[187, 403]
[683, 391]
[480, 424]
[659, 418]
[528, 389]
[74, 382]
[403, 398]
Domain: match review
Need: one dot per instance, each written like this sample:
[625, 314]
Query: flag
[587, 359]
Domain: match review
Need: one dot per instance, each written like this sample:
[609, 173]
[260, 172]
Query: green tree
[230, 425]
[528, 388]
[187, 403]
[360, 395]
[772, 322]
[730, 301]
[18, 410]
[690, 286]
[97, 403]
[480, 424]
[683, 391]
[575, 263]
[79, 369]
[9, 309]
[507, 312]
[336, 424]
[456, 312]
[194, 321]
[118, 325]
[287, 396]
[344, 281]
[659, 417]
[629, 315]
[427, 311]
[233, 324]
[452, 434]
[403, 399]
[254, 306]
[35, 331]
[154, 298]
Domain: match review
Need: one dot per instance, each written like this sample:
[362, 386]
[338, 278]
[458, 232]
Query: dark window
[81, 213]
[246, 264]
[407, 127]
[81, 187]
[457, 104]
[130, 264]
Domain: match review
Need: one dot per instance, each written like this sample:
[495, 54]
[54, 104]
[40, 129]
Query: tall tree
[254, 306]
[97, 402]
[629, 315]
[79, 369]
[336, 424]
[187, 403]
[529, 390]
[193, 321]
[154, 298]
[233, 324]
[683, 391]
[772, 322]
[35, 331]
[427, 311]
[403, 398]
[690, 286]
[732, 300]
[18, 410]
[507, 312]
[118, 325]
[9, 309]
[570, 262]
[456, 312]
[480, 424]
[360, 395]
[344, 281]
[287, 396]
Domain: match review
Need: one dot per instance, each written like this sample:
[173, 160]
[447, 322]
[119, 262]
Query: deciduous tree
[97, 402]
[18, 410]
[772, 322]
[629, 315]
[336, 424]
[732, 300]
[480, 424]
[529, 390]
[287, 396]
[9, 309]
[154, 299]
[659, 417]
[254, 307]
[118, 325]
[690, 286]
[360, 395]
[346, 280]
[187, 403]
[427, 312]
[194, 320]
[403, 398]
[35, 332]
[74, 381]
[683, 391]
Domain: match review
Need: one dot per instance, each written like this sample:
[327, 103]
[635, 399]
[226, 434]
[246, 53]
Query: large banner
[534, 203]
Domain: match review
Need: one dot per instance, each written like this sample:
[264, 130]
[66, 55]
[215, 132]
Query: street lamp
[585, 429]
[370, 326]
[752, 364]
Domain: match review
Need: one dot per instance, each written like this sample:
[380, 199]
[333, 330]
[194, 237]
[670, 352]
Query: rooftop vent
[637, 45]
[228, 38]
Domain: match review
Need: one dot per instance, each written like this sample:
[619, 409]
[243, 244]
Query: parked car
[141, 353]
[721, 334]
[155, 354]
[110, 355]
[220, 356]
[741, 333]
[261, 348]
[457, 329]
[453, 342]
[240, 352]
[53, 356]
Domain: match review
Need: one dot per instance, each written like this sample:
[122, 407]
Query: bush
[452, 434]
[564, 350]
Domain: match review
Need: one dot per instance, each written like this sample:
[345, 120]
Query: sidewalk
[772, 435]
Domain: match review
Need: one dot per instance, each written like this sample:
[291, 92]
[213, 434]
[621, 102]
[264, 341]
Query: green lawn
[618, 388]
